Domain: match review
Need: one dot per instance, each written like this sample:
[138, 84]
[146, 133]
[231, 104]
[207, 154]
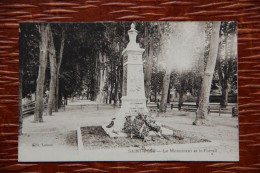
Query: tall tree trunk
[202, 111]
[101, 78]
[166, 82]
[115, 83]
[92, 87]
[148, 71]
[58, 71]
[155, 94]
[198, 99]
[119, 83]
[181, 92]
[148, 65]
[198, 94]
[107, 94]
[223, 82]
[111, 93]
[167, 74]
[116, 89]
[57, 96]
[224, 96]
[20, 98]
[39, 107]
[169, 93]
[53, 81]
[225, 78]
[180, 99]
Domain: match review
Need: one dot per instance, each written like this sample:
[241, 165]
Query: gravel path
[59, 130]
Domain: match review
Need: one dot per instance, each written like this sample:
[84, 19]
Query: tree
[181, 49]
[148, 56]
[208, 32]
[182, 88]
[28, 63]
[112, 74]
[165, 90]
[202, 111]
[29, 54]
[102, 78]
[225, 64]
[78, 73]
[165, 29]
[56, 105]
[156, 82]
[44, 32]
[53, 72]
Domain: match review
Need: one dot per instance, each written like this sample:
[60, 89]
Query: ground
[94, 137]
[59, 131]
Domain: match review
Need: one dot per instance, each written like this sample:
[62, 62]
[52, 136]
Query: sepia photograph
[128, 91]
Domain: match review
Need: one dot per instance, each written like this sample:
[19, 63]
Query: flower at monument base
[142, 126]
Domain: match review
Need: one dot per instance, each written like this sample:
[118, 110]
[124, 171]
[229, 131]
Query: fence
[213, 108]
[30, 107]
[94, 106]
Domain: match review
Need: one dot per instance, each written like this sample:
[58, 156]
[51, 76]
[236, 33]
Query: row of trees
[85, 59]
[220, 48]
[66, 57]
[47, 51]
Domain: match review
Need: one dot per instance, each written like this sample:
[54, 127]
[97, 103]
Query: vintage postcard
[128, 91]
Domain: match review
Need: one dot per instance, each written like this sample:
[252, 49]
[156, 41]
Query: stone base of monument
[111, 133]
[116, 125]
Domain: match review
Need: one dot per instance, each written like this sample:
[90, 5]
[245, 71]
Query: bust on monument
[132, 33]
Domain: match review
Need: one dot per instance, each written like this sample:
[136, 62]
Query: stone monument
[133, 93]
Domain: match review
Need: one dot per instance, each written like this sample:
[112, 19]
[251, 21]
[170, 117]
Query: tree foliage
[171, 50]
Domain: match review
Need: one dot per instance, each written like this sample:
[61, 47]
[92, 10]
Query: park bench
[189, 107]
[234, 112]
[29, 108]
[154, 108]
[174, 105]
[212, 109]
[218, 109]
